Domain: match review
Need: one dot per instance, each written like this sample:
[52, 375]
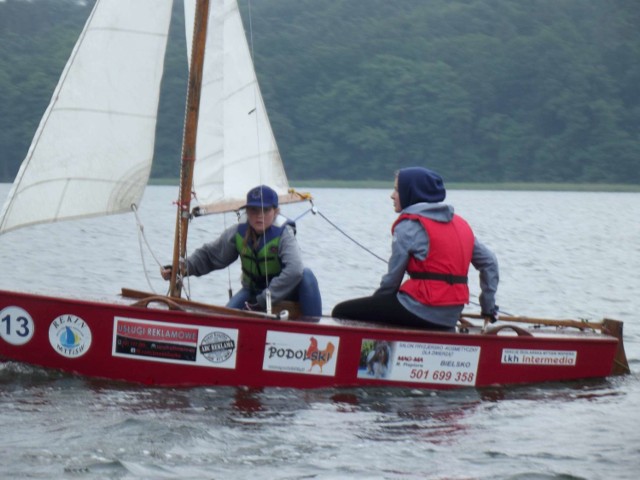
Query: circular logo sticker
[70, 336]
[16, 325]
[217, 347]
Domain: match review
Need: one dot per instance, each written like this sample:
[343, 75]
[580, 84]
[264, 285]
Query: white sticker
[301, 353]
[556, 358]
[70, 336]
[16, 325]
[419, 362]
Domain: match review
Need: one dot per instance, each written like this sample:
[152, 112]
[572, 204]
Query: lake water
[562, 255]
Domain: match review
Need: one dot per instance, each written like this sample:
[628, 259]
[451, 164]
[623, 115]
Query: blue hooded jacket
[418, 184]
[420, 192]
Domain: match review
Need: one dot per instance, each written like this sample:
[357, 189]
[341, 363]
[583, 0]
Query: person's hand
[252, 307]
[492, 316]
[165, 271]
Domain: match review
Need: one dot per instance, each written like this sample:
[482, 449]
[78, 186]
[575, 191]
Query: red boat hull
[176, 348]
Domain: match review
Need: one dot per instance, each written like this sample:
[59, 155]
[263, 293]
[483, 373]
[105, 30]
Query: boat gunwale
[328, 323]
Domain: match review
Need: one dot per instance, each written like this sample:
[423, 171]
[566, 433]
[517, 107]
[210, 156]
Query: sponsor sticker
[16, 325]
[217, 347]
[301, 353]
[419, 362]
[174, 343]
[553, 358]
[70, 336]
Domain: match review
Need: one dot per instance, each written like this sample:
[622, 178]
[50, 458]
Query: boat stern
[615, 329]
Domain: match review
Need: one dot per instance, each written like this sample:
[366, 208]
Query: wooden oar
[545, 321]
[129, 293]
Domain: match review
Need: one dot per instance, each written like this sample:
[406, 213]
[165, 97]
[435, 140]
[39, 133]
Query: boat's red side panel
[160, 347]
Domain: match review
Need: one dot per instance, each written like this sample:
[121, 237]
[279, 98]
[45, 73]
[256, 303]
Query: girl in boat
[435, 247]
[269, 254]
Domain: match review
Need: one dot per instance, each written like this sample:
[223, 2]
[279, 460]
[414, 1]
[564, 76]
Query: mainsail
[92, 152]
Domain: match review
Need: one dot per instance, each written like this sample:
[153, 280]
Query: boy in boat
[434, 247]
[269, 254]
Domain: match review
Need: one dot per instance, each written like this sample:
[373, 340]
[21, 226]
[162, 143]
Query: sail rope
[315, 211]
[143, 238]
[143, 241]
[255, 116]
[229, 289]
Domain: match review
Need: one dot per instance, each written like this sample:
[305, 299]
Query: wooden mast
[189, 143]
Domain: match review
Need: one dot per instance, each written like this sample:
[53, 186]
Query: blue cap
[262, 197]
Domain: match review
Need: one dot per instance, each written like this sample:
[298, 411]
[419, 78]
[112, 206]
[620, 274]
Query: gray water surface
[562, 255]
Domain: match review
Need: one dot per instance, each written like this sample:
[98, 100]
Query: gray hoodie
[222, 252]
[411, 239]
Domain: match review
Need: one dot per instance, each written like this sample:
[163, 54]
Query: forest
[478, 90]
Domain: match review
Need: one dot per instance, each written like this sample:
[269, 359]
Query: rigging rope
[255, 116]
[142, 237]
[315, 210]
[229, 289]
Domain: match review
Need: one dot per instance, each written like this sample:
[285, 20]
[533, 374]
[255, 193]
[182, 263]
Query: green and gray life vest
[260, 263]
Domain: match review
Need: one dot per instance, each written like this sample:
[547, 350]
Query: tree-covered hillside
[480, 90]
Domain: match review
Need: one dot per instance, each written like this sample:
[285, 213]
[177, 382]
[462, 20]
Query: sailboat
[91, 155]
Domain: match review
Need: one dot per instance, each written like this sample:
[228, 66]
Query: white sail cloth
[92, 152]
[93, 149]
[236, 149]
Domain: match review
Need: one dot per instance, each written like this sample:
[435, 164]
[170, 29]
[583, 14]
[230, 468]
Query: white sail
[92, 152]
[236, 149]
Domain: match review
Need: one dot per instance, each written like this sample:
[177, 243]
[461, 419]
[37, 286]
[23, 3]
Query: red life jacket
[441, 278]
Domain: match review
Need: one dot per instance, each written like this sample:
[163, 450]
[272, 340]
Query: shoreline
[517, 186]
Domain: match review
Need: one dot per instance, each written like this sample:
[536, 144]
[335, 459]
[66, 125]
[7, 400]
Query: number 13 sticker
[16, 325]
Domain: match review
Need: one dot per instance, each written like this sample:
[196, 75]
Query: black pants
[382, 309]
